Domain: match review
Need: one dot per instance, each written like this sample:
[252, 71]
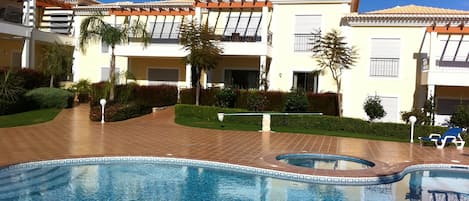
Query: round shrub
[296, 102]
[50, 97]
[373, 108]
[256, 101]
[460, 118]
[226, 97]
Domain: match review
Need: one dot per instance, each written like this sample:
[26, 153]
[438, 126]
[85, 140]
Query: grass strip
[28, 118]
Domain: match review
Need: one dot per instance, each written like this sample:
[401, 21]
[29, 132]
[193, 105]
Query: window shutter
[307, 24]
[385, 47]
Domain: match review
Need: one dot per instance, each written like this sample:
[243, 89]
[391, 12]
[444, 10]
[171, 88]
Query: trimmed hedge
[152, 96]
[156, 96]
[50, 98]
[325, 103]
[130, 101]
[119, 112]
[297, 123]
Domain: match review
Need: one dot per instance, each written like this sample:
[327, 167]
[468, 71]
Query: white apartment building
[406, 54]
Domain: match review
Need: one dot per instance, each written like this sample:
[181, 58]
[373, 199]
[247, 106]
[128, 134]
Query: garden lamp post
[412, 120]
[103, 103]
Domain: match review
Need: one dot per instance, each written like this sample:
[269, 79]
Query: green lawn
[28, 118]
[206, 117]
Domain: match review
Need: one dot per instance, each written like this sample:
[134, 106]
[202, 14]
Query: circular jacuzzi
[325, 161]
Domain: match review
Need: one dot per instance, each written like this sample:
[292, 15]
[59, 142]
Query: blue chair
[452, 135]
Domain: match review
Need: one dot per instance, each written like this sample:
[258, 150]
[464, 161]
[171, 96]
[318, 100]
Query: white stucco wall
[285, 60]
[358, 84]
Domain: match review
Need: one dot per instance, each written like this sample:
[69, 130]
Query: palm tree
[200, 42]
[331, 52]
[94, 28]
[57, 61]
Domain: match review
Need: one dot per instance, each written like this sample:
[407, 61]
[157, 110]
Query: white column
[430, 91]
[262, 71]
[204, 79]
[264, 24]
[198, 14]
[29, 19]
[188, 76]
[434, 49]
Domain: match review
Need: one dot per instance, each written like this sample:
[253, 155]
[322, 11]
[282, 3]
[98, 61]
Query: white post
[266, 123]
[221, 115]
[412, 120]
[103, 103]
[188, 75]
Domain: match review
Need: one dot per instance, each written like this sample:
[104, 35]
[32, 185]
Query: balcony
[11, 14]
[304, 42]
[384, 67]
[446, 73]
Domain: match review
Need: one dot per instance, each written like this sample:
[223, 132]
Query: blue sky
[369, 5]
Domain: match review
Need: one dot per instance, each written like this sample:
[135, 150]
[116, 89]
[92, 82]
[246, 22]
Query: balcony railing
[384, 67]
[11, 14]
[304, 42]
[242, 35]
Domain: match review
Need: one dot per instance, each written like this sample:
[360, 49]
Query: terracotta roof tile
[414, 9]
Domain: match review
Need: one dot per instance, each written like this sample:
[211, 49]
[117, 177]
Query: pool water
[325, 161]
[141, 181]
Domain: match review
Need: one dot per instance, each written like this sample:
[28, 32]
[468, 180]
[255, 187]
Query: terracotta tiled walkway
[72, 135]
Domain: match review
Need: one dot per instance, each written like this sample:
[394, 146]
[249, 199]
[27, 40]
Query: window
[104, 47]
[305, 81]
[158, 74]
[242, 79]
[385, 53]
[105, 74]
[306, 28]
[446, 106]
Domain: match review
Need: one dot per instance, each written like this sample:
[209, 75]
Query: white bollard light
[266, 123]
[412, 120]
[103, 103]
[221, 115]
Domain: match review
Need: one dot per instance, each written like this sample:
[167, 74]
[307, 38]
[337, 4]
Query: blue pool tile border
[237, 168]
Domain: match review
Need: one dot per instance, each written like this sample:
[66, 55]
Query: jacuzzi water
[146, 181]
[325, 161]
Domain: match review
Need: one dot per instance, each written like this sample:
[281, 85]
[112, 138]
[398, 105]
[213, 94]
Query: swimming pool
[151, 178]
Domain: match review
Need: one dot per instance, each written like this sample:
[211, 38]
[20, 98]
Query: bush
[98, 91]
[50, 97]
[326, 103]
[119, 112]
[373, 108]
[226, 97]
[296, 102]
[460, 118]
[295, 123]
[83, 88]
[422, 118]
[275, 100]
[11, 91]
[33, 78]
[156, 96]
[256, 101]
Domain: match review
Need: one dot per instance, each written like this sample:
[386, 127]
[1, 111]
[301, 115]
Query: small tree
[96, 29]
[331, 52]
[200, 41]
[57, 61]
[373, 108]
[460, 118]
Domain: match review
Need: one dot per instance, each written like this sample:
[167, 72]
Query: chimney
[354, 6]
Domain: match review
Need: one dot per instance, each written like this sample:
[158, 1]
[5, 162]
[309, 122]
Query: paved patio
[71, 134]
